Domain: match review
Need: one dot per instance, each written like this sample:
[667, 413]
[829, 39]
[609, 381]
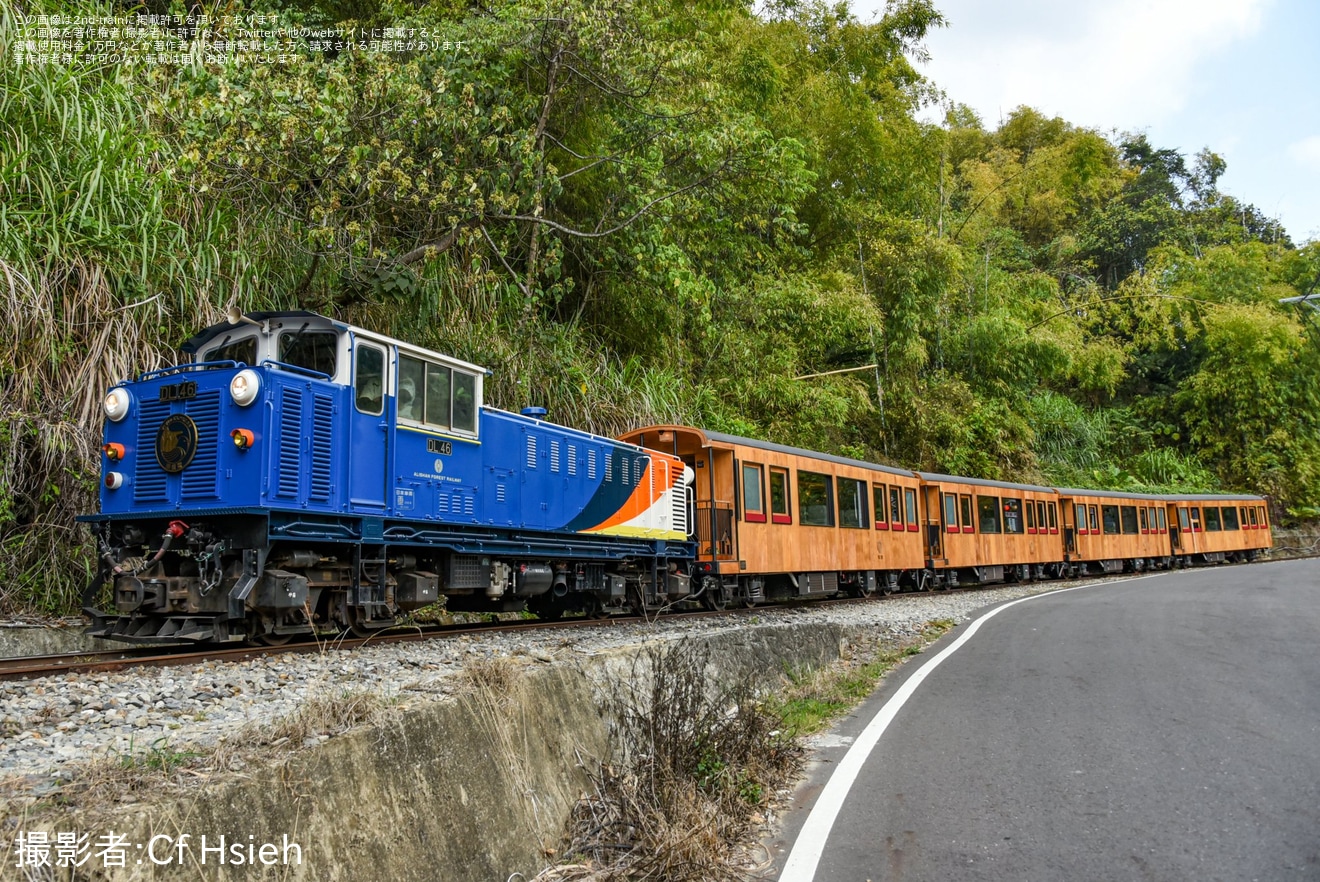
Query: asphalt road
[1165, 728]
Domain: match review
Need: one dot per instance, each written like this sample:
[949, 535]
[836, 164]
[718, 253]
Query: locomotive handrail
[190, 366]
[296, 368]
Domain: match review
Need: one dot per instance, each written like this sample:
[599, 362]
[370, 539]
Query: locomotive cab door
[368, 426]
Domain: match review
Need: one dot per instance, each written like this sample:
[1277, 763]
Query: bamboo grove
[636, 212]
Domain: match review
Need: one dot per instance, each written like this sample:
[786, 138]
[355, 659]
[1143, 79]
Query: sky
[1238, 76]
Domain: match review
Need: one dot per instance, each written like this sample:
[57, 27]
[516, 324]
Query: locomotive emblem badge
[176, 443]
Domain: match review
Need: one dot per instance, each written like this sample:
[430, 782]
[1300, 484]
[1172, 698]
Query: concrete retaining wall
[473, 789]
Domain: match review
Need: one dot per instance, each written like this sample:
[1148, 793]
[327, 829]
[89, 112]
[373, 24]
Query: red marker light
[114, 480]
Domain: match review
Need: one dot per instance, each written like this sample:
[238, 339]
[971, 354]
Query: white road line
[810, 844]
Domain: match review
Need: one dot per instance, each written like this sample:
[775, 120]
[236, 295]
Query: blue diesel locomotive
[300, 475]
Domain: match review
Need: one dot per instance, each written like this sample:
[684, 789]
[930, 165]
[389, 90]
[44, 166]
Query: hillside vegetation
[637, 211]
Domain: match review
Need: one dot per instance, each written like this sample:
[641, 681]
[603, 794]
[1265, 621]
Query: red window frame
[1264, 521]
[1030, 507]
[879, 493]
[1195, 514]
[950, 526]
[1160, 516]
[1141, 516]
[1079, 514]
[1054, 518]
[784, 517]
[965, 511]
[910, 507]
[1093, 519]
[895, 507]
[757, 516]
[1251, 512]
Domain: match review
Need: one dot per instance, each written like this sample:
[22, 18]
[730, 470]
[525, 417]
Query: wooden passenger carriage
[776, 521]
[1109, 532]
[1212, 528]
[985, 531]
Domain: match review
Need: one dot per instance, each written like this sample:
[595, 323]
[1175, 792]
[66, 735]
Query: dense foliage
[636, 211]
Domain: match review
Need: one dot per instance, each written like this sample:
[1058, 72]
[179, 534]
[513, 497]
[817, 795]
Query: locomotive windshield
[317, 350]
[243, 351]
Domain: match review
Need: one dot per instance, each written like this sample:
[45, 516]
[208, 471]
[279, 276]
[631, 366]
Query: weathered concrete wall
[473, 789]
[22, 640]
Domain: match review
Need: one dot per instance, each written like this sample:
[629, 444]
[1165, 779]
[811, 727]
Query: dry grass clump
[695, 765]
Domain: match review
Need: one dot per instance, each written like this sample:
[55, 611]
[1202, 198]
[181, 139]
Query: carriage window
[965, 505]
[896, 507]
[1263, 523]
[1230, 517]
[1031, 516]
[779, 497]
[1159, 516]
[1040, 516]
[1196, 518]
[852, 503]
[1129, 516]
[987, 511]
[242, 351]
[412, 383]
[1145, 524]
[369, 380]
[1080, 511]
[878, 506]
[1012, 515]
[753, 506]
[1109, 518]
[1251, 515]
[951, 512]
[437, 395]
[1183, 522]
[815, 505]
[1090, 516]
[1212, 524]
[1054, 518]
[465, 402]
[317, 350]
[910, 497]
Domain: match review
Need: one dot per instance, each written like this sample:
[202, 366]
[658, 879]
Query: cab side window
[369, 380]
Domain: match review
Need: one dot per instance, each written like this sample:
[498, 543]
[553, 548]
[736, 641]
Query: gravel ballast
[52, 722]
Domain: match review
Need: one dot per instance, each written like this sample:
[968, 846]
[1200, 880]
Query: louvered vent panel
[572, 460]
[469, 505]
[148, 478]
[291, 439]
[499, 492]
[609, 467]
[531, 451]
[322, 432]
[199, 478]
[591, 463]
[554, 456]
[442, 503]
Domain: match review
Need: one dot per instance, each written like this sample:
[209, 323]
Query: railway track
[31, 667]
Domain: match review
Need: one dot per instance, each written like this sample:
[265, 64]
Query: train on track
[296, 475]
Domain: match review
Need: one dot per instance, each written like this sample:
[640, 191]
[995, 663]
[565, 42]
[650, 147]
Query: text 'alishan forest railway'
[299, 475]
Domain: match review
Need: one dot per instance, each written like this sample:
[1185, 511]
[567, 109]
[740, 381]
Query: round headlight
[244, 387]
[116, 404]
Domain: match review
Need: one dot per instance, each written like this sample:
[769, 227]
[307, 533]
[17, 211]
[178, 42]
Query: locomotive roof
[798, 451]
[982, 482]
[194, 343]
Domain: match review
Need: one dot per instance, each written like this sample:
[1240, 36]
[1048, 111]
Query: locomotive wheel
[270, 639]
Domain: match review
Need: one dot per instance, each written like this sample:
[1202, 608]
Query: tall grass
[105, 262]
